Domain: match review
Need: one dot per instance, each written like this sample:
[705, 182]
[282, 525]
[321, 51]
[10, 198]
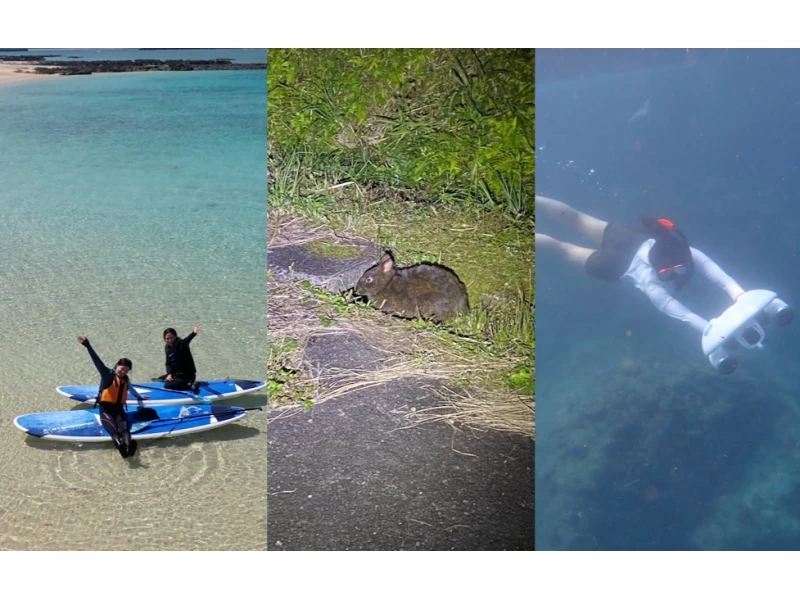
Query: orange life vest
[116, 393]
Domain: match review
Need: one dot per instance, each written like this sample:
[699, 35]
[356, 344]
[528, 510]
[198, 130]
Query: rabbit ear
[387, 263]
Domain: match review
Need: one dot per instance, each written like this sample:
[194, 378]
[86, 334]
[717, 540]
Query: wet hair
[670, 249]
[167, 331]
[124, 361]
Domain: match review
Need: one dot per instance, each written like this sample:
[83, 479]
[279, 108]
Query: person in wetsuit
[112, 397]
[657, 258]
[181, 371]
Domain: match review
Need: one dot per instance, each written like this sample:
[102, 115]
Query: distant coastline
[139, 49]
[38, 65]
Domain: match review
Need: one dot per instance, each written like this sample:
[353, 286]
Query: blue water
[251, 55]
[641, 444]
[131, 203]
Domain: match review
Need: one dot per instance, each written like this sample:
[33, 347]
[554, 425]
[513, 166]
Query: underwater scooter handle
[742, 325]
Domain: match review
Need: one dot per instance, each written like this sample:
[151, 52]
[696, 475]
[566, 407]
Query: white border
[258, 574]
[409, 24]
[412, 23]
[416, 574]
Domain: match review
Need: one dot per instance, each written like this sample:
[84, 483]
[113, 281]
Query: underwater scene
[668, 413]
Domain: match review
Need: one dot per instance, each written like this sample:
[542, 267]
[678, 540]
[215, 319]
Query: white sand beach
[14, 72]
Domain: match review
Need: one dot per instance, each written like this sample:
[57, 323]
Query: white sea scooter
[741, 325]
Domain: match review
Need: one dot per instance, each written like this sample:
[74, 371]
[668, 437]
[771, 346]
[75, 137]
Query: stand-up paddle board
[147, 422]
[208, 391]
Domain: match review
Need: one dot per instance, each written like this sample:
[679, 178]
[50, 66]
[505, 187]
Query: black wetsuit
[180, 364]
[112, 415]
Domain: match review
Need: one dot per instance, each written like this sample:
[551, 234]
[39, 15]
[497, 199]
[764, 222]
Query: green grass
[287, 382]
[444, 126]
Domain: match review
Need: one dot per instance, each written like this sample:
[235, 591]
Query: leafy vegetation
[441, 126]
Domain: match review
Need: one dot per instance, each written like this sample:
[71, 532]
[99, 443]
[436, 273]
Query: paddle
[198, 398]
[139, 426]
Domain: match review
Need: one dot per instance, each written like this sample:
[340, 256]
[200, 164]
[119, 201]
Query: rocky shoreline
[87, 67]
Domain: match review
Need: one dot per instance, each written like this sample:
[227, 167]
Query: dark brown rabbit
[427, 291]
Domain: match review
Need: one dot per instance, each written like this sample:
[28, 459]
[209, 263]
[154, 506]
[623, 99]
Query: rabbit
[427, 291]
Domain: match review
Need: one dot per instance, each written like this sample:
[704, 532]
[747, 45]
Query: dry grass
[284, 229]
[484, 410]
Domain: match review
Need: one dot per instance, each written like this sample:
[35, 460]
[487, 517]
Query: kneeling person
[181, 371]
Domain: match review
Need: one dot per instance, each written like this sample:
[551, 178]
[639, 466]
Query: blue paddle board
[149, 422]
[209, 392]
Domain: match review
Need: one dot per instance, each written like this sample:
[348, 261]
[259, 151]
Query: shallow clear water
[131, 203]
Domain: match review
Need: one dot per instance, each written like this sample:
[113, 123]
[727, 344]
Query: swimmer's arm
[667, 304]
[715, 274]
[102, 368]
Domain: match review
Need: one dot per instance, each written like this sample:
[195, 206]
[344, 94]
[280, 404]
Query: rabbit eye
[369, 279]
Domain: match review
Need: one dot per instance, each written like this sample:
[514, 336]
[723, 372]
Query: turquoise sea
[131, 203]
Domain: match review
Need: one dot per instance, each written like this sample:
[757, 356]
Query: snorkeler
[111, 399]
[657, 258]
